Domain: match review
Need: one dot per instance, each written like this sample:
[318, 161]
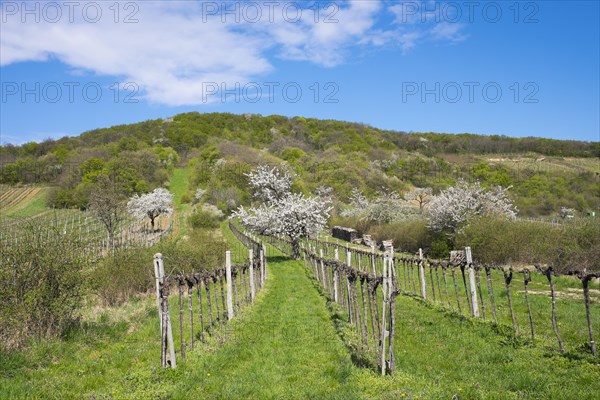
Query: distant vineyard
[11, 197]
[82, 226]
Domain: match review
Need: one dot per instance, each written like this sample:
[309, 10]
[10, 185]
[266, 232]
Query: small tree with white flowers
[282, 212]
[456, 205]
[151, 205]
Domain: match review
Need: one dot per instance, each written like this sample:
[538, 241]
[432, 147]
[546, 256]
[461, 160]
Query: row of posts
[162, 296]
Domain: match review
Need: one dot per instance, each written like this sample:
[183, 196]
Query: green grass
[474, 362]
[570, 314]
[285, 346]
[179, 186]
[570, 308]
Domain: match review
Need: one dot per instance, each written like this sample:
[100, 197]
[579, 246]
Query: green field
[285, 346]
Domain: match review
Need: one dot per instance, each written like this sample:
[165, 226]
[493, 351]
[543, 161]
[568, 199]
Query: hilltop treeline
[186, 131]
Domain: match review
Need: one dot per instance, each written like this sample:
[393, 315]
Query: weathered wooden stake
[199, 293]
[585, 280]
[181, 338]
[384, 288]
[262, 268]
[265, 261]
[229, 285]
[190, 310]
[472, 284]
[252, 287]
[508, 275]
[549, 272]
[422, 274]
[165, 320]
[488, 275]
[158, 266]
[324, 278]
[348, 263]
[373, 261]
[335, 276]
[526, 280]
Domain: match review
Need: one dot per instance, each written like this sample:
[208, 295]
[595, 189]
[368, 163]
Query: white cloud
[448, 31]
[174, 49]
[417, 22]
[325, 42]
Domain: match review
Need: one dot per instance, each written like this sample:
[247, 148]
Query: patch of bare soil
[568, 294]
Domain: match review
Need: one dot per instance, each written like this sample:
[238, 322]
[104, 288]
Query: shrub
[206, 218]
[42, 284]
[128, 273]
[408, 236]
[123, 274]
[571, 246]
[186, 198]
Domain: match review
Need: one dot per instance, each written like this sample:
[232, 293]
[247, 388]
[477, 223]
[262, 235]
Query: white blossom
[151, 205]
[324, 192]
[386, 207]
[295, 216]
[566, 212]
[270, 184]
[457, 204]
[282, 212]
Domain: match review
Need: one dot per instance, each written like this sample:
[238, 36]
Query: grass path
[179, 186]
[286, 347]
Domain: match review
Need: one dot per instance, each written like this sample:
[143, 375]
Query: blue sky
[512, 68]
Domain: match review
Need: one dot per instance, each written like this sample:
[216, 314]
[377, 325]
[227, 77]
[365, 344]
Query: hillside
[545, 174]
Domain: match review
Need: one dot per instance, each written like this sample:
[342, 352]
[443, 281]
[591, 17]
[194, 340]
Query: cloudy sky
[513, 68]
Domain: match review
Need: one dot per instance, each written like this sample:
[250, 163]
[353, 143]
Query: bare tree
[107, 202]
[421, 195]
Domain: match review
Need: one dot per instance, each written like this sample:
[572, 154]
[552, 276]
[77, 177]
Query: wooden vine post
[252, 287]
[508, 275]
[585, 281]
[262, 268]
[422, 274]
[373, 261]
[384, 289]
[180, 283]
[229, 285]
[158, 267]
[324, 283]
[165, 320]
[549, 273]
[335, 275]
[488, 275]
[472, 284]
[526, 280]
[264, 257]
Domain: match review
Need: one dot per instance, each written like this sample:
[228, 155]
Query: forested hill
[545, 173]
[186, 131]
